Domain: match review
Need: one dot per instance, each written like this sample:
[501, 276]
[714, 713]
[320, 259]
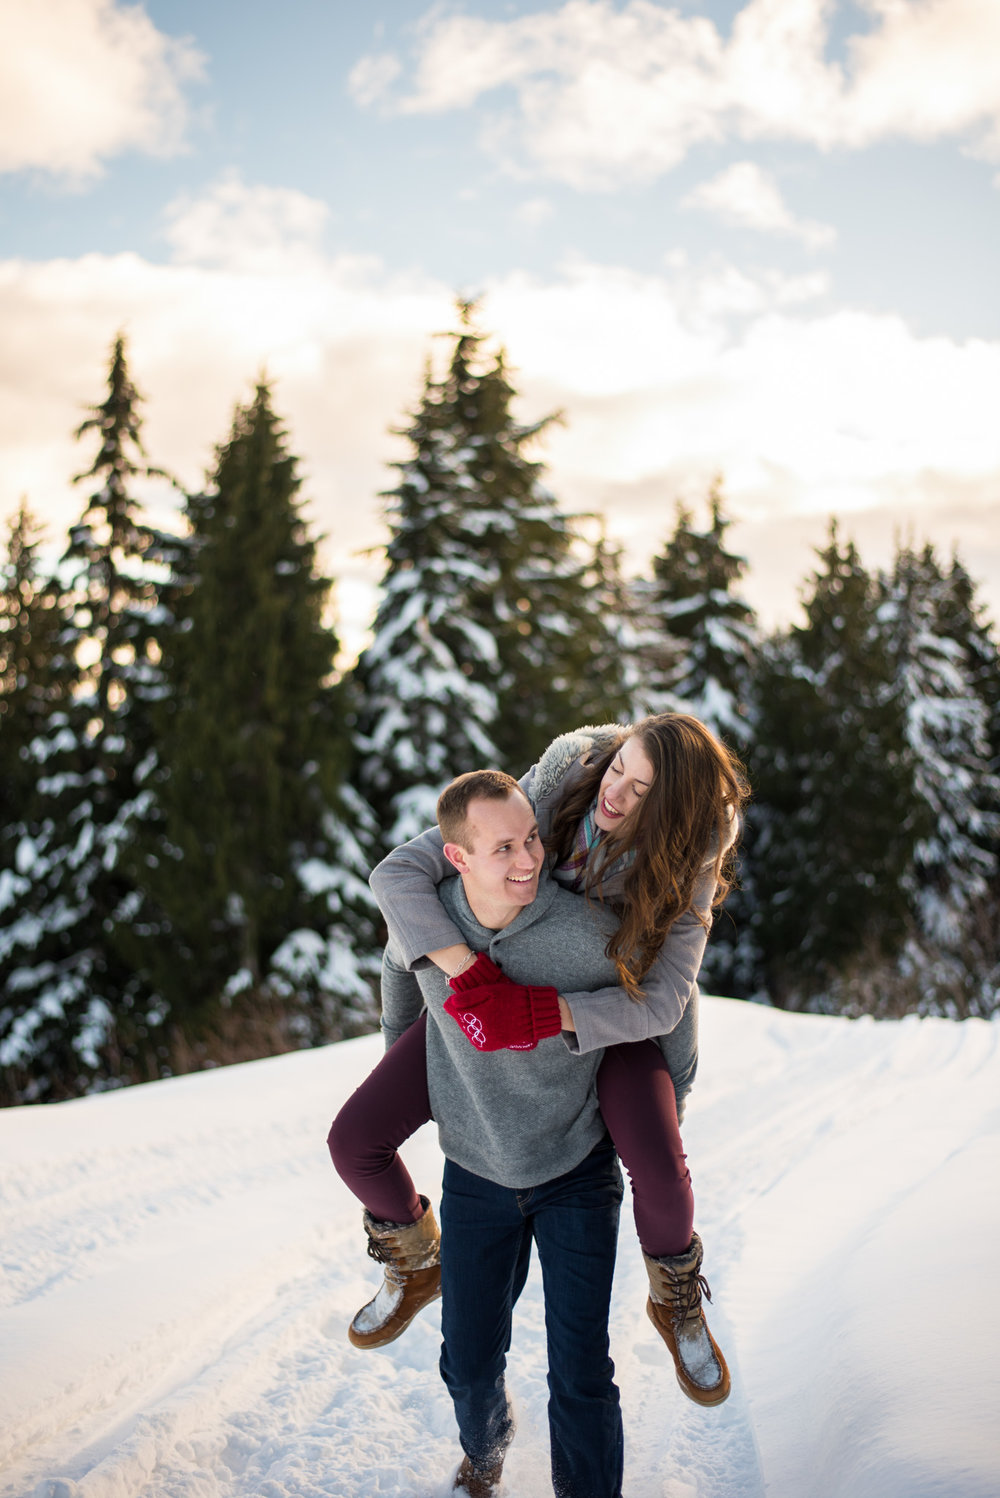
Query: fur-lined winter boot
[410, 1252]
[674, 1308]
[478, 1482]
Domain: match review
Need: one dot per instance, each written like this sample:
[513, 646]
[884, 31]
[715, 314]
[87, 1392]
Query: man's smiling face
[504, 856]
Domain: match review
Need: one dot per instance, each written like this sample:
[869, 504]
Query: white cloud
[745, 195]
[372, 76]
[605, 94]
[533, 212]
[241, 228]
[600, 92]
[82, 80]
[665, 380]
[718, 289]
[656, 376]
[929, 69]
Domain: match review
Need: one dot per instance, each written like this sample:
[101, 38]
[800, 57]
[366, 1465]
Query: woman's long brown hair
[679, 831]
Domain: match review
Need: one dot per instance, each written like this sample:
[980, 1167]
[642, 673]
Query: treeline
[192, 795]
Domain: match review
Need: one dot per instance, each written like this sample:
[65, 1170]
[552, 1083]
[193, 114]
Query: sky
[748, 238]
[181, 1263]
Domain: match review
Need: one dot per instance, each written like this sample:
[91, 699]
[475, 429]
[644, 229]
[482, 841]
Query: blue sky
[756, 238]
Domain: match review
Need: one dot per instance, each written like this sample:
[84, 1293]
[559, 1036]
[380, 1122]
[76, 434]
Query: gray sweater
[515, 1117]
[406, 885]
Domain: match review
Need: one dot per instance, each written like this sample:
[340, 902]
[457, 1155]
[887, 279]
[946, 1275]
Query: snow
[11, 884]
[180, 1263]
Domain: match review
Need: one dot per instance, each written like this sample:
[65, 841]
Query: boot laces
[686, 1292]
[380, 1251]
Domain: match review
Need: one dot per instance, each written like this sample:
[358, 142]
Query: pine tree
[936, 654]
[558, 648]
[835, 819]
[427, 685]
[264, 932]
[613, 670]
[700, 635]
[75, 994]
[696, 646]
[30, 626]
[487, 640]
[946, 732]
[111, 561]
[964, 619]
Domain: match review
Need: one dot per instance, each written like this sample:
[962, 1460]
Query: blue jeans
[486, 1236]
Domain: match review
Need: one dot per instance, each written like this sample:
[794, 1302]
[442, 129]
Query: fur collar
[566, 750]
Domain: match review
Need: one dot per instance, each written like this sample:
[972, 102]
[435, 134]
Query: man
[527, 1155]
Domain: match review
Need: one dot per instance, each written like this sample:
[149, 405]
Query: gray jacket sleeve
[402, 1001]
[608, 1016]
[405, 886]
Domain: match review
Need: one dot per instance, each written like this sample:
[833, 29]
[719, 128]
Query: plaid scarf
[572, 872]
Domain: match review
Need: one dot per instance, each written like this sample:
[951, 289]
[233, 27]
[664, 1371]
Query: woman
[644, 819]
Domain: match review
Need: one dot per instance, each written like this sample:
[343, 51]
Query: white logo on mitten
[473, 1027]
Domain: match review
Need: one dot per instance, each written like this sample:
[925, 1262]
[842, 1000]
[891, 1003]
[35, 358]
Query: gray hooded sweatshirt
[515, 1117]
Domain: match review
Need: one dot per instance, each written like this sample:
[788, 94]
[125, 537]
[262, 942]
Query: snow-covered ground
[180, 1263]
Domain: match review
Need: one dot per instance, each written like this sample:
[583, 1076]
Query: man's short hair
[453, 802]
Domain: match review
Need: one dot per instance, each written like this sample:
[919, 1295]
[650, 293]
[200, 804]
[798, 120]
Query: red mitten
[506, 1016]
[483, 970]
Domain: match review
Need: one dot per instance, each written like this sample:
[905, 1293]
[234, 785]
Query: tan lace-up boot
[410, 1252]
[674, 1308]
[476, 1482]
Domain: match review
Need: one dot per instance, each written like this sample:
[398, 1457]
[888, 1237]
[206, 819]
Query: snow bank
[180, 1263]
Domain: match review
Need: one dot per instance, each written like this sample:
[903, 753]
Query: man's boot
[674, 1308]
[478, 1482]
[410, 1252]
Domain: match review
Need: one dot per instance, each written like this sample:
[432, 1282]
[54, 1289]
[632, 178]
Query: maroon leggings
[637, 1100]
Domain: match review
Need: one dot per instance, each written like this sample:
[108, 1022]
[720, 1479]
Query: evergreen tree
[964, 619]
[262, 931]
[835, 821]
[487, 642]
[614, 669]
[111, 562]
[946, 732]
[937, 650]
[30, 626]
[700, 635]
[427, 685]
[696, 647]
[559, 649]
[74, 993]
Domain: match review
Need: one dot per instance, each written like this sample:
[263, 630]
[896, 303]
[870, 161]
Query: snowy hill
[180, 1263]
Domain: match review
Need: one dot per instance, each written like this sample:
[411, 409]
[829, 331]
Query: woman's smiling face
[626, 780]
